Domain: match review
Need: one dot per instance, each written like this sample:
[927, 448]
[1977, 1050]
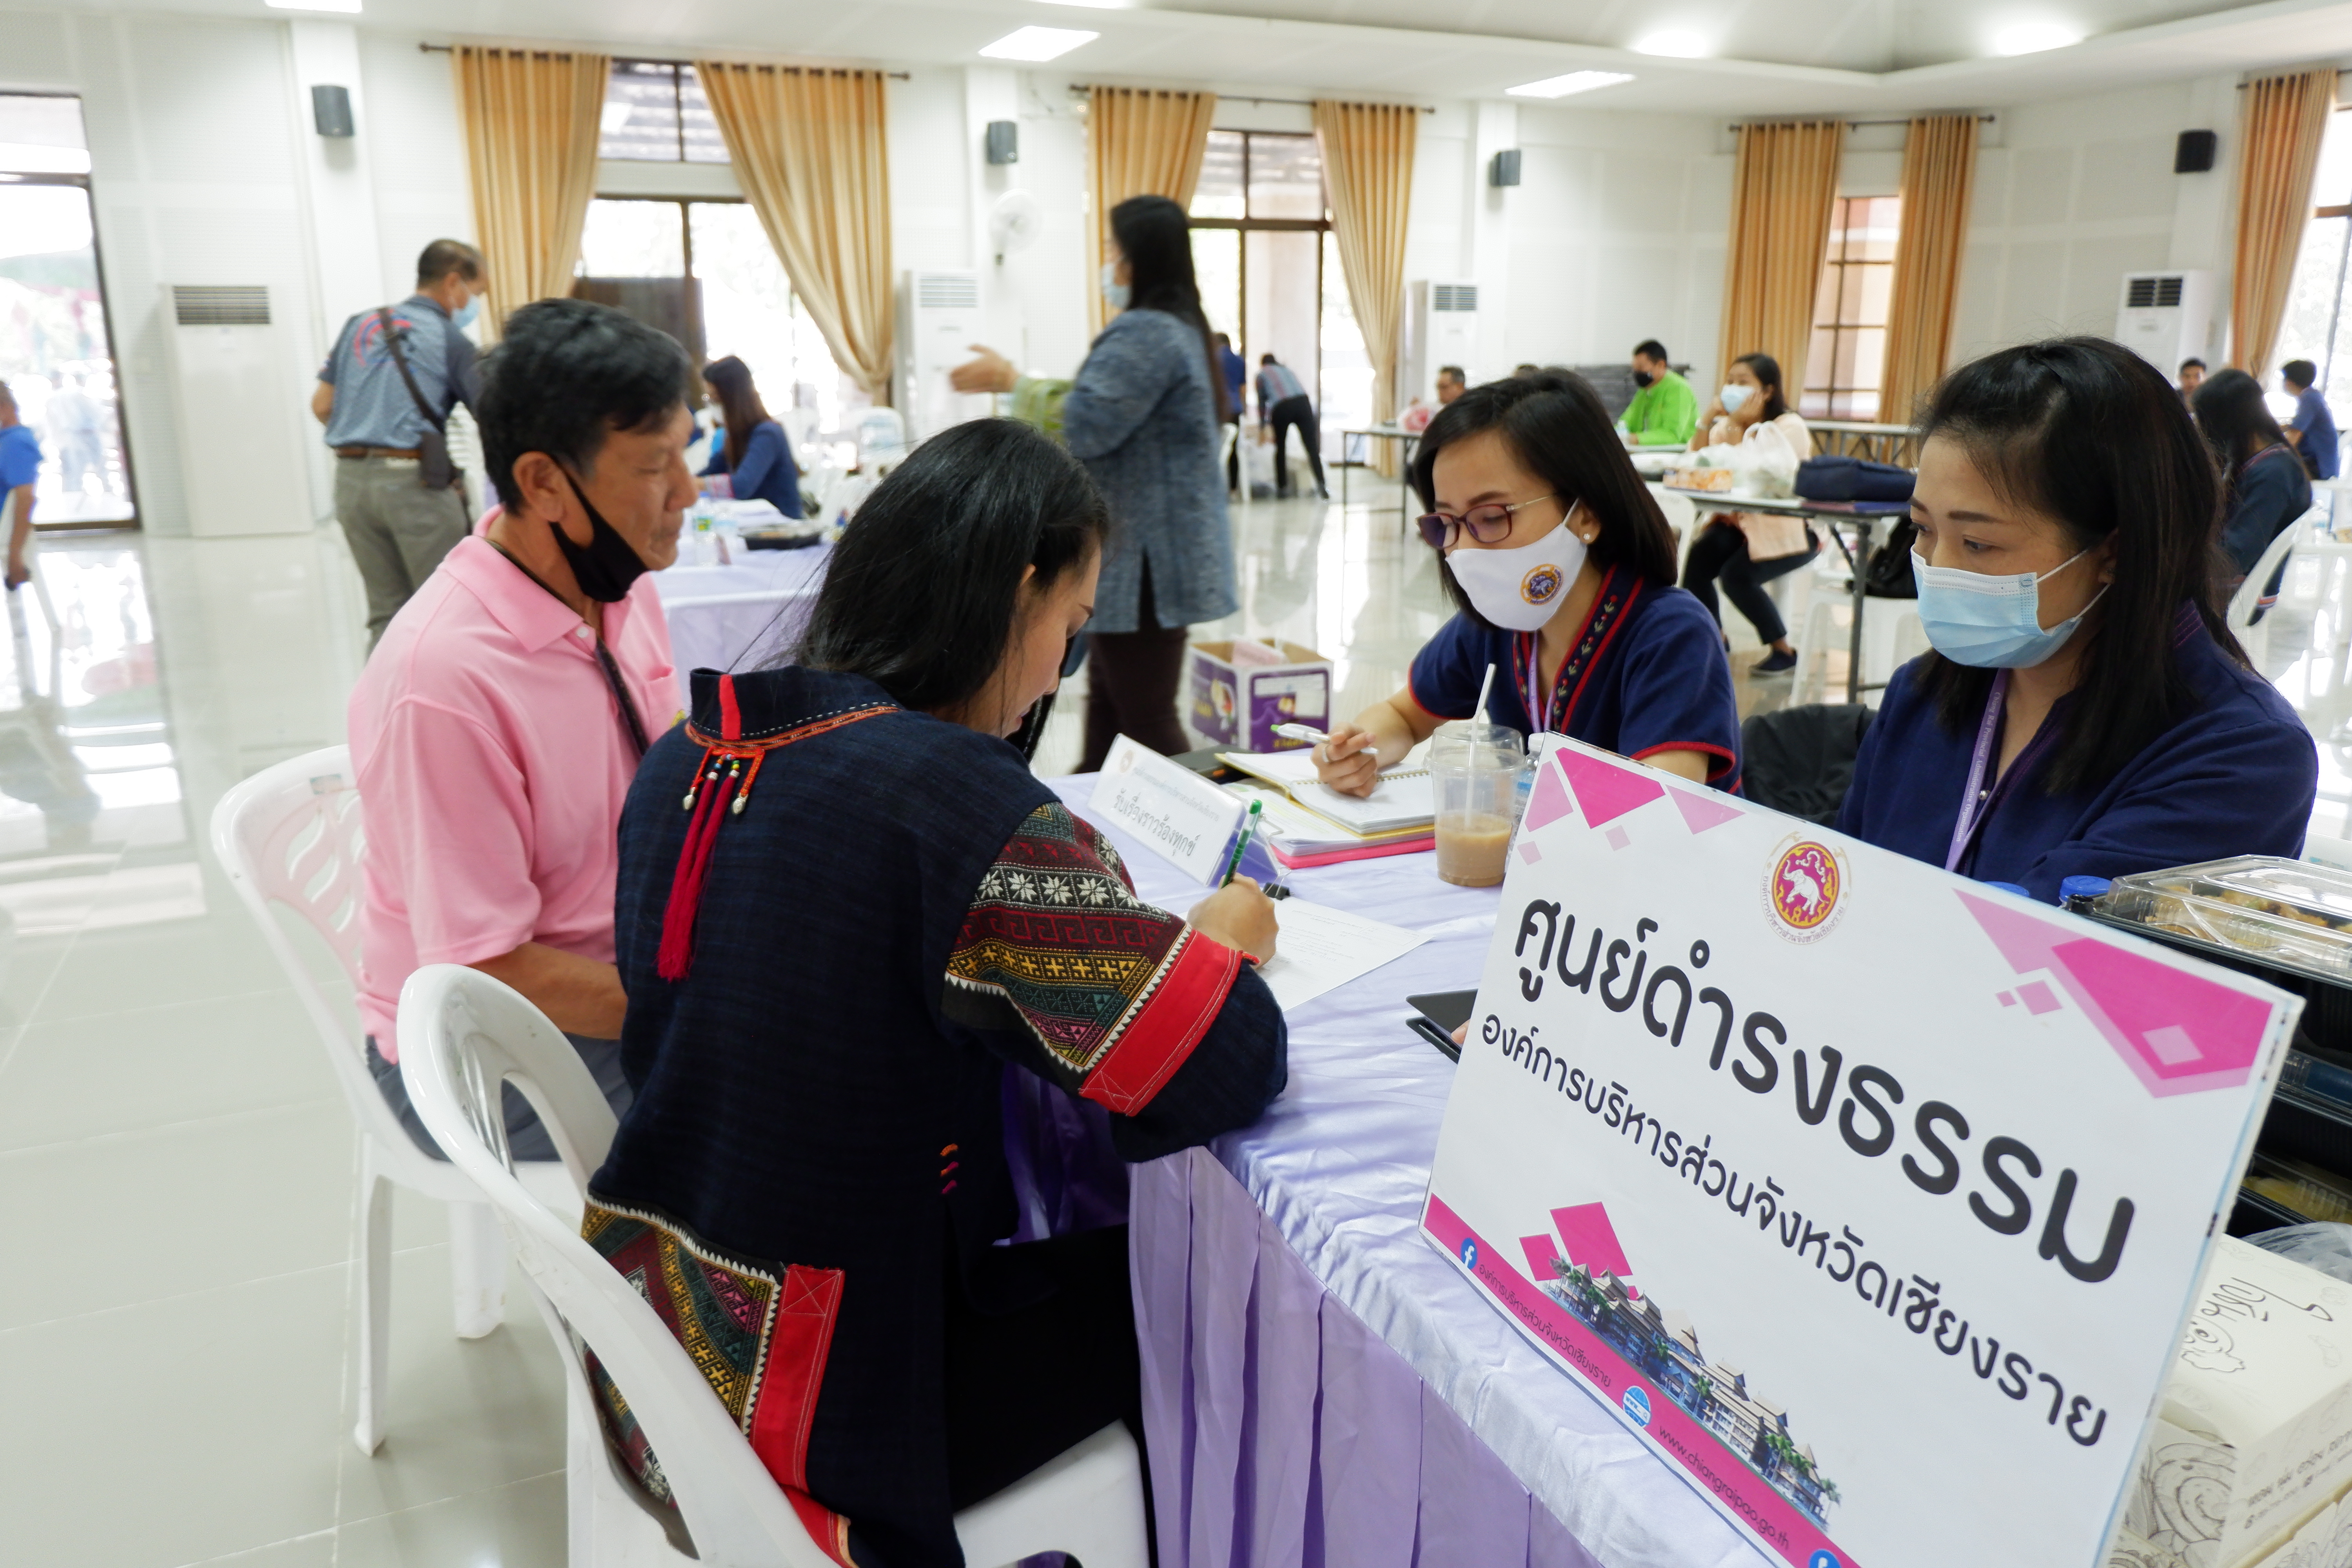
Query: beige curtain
[2285, 118]
[811, 148]
[1783, 192]
[530, 144]
[1368, 172]
[1141, 142]
[1939, 172]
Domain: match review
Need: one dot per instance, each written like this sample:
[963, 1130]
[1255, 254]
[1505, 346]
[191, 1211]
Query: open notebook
[1403, 803]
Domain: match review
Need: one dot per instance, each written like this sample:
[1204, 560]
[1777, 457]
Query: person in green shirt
[1665, 411]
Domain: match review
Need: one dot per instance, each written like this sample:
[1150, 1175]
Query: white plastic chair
[2254, 636]
[292, 835]
[462, 1035]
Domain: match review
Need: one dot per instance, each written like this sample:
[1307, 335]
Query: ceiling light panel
[1034, 44]
[1674, 43]
[2032, 37]
[1562, 85]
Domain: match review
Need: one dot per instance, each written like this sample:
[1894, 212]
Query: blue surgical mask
[1989, 621]
[466, 314]
[1115, 294]
[1733, 394]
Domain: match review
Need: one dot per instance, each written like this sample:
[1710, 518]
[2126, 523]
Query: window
[1847, 365]
[56, 348]
[1269, 268]
[2312, 327]
[704, 272]
[655, 111]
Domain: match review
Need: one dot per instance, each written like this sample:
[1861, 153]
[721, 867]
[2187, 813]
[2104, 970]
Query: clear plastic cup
[1475, 771]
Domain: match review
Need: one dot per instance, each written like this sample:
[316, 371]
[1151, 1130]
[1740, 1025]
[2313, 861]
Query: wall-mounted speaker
[1503, 169]
[1004, 141]
[2193, 154]
[331, 110]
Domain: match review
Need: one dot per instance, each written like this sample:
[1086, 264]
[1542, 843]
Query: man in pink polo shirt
[497, 724]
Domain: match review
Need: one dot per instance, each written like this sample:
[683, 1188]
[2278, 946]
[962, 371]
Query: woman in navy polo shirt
[1562, 570]
[2086, 710]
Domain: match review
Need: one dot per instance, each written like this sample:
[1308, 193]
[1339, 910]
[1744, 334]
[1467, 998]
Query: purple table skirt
[1320, 1384]
[1281, 1429]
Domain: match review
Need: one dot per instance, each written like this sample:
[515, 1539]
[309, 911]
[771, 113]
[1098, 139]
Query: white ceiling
[1769, 56]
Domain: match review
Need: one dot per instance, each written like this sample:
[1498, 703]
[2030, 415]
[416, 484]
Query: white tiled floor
[176, 1173]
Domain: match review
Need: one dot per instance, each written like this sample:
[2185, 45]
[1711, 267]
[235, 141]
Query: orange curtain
[1368, 172]
[1781, 196]
[1141, 142]
[811, 148]
[2286, 119]
[530, 144]
[1939, 172]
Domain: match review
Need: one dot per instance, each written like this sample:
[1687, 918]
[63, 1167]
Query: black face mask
[1642, 378]
[607, 563]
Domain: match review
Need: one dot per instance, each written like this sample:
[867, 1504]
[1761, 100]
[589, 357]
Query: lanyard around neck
[1978, 802]
[633, 724]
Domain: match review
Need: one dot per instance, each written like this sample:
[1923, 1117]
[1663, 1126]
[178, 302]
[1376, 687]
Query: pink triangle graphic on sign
[1589, 1238]
[1604, 790]
[1548, 802]
[1702, 812]
[2179, 1033]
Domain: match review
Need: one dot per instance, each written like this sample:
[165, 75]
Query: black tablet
[1442, 1013]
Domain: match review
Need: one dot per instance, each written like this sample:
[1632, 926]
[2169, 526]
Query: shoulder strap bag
[434, 467]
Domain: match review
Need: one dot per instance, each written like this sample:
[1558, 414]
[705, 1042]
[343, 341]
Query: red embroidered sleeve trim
[1646, 753]
[1199, 974]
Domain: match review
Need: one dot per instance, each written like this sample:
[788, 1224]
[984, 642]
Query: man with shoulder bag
[384, 395]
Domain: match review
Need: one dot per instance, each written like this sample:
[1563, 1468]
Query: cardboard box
[2251, 1444]
[1240, 707]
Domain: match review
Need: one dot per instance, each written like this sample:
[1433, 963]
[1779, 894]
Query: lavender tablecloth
[733, 617]
[1320, 1386]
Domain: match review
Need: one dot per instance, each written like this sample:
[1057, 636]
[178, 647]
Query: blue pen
[1240, 843]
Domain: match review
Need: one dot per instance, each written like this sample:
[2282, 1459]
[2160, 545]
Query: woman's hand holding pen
[1240, 916]
[1347, 760]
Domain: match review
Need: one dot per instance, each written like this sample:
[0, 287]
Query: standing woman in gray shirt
[1145, 417]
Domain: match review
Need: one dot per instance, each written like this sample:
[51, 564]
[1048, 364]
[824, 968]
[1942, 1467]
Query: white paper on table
[1322, 947]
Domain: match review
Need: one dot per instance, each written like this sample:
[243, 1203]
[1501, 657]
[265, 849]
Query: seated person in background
[2085, 712]
[1562, 571]
[828, 986]
[1451, 384]
[2264, 488]
[2311, 431]
[497, 726]
[2192, 376]
[1748, 548]
[1664, 411]
[756, 452]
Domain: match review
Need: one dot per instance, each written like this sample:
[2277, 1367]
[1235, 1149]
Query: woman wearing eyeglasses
[1562, 572]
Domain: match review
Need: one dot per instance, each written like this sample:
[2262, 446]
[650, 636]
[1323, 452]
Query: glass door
[57, 354]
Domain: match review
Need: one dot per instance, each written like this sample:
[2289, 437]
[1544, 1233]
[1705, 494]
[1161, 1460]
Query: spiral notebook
[1403, 803]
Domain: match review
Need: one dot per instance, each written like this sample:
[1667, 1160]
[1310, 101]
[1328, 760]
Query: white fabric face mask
[1733, 394]
[1521, 587]
[1114, 292]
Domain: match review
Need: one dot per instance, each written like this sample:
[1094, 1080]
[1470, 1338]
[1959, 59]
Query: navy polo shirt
[2236, 777]
[1655, 681]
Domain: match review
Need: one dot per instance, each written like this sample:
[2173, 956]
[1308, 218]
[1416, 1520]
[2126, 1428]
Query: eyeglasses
[1488, 525]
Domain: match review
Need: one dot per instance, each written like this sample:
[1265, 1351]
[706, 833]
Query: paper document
[1321, 948]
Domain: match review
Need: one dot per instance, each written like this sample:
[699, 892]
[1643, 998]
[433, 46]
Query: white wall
[205, 170]
[2080, 192]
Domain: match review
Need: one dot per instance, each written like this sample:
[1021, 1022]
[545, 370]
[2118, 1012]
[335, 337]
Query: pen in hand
[1241, 842]
[1308, 733]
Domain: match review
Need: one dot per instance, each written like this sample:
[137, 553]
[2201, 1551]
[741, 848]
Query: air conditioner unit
[939, 318]
[1441, 328]
[239, 414]
[2164, 316]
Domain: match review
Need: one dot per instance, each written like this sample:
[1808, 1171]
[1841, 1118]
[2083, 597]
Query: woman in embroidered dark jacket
[848, 912]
